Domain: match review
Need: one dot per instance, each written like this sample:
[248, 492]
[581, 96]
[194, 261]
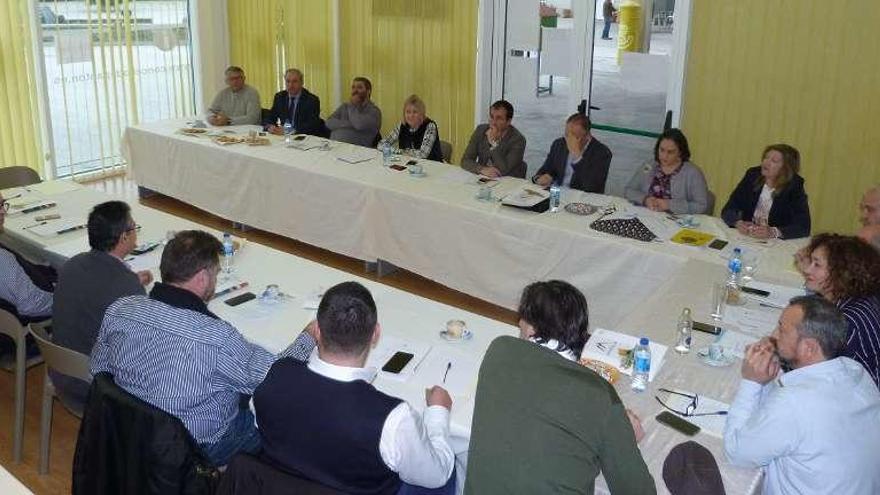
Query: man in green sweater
[542, 422]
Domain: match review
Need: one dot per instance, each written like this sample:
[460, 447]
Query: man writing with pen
[337, 429]
[808, 416]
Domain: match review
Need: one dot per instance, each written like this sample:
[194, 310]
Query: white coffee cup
[455, 328]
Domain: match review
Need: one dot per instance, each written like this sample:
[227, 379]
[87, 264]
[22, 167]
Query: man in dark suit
[578, 160]
[297, 105]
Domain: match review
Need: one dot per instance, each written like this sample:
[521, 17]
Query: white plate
[727, 360]
[465, 335]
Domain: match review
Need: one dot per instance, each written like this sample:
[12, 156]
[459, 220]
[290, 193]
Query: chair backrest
[248, 475]
[446, 151]
[61, 359]
[9, 324]
[127, 445]
[17, 176]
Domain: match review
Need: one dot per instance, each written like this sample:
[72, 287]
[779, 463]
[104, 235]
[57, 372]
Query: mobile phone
[397, 362]
[144, 248]
[678, 424]
[705, 327]
[412, 162]
[299, 137]
[240, 299]
[399, 168]
[483, 180]
[757, 292]
[718, 244]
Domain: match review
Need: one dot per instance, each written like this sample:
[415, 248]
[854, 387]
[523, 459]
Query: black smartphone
[757, 292]
[299, 137]
[718, 244]
[399, 168]
[397, 362]
[144, 248]
[240, 299]
[412, 162]
[705, 327]
[678, 424]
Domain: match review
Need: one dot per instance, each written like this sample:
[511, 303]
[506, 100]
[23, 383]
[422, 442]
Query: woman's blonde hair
[415, 101]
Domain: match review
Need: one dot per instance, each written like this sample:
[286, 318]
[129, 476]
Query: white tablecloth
[432, 226]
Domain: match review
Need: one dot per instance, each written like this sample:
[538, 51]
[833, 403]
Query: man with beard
[815, 427]
[357, 121]
[170, 350]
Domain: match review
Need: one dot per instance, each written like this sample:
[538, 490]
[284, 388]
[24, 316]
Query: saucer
[727, 360]
[581, 208]
[465, 335]
[420, 174]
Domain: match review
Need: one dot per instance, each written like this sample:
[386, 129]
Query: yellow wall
[426, 47]
[803, 72]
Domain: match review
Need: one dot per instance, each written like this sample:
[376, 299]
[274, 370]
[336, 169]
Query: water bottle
[228, 252]
[734, 270]
[288, 131]
[641, 365]
[685, 332]
[554, 197]
[386, 154]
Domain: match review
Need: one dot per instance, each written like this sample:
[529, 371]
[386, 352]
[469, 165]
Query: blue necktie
[292, 102]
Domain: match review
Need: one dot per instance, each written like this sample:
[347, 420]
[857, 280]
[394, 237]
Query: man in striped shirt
[170, 350]
[18, 292]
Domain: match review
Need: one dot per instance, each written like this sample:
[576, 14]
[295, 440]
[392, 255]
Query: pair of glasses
[134, 228]
[691, 409]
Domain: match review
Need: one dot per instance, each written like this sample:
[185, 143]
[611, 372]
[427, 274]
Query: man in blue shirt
[170, 350]
[815, 428]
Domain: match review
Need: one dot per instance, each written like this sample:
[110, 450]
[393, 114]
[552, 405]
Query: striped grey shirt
[184, 362]
[18, 289]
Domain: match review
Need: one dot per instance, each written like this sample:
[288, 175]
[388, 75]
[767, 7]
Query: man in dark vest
[337, 429]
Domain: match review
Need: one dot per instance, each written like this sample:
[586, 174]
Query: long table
[433, 226]
[417, 321]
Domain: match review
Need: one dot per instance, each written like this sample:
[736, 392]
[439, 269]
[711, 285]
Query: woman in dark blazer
[770, 200]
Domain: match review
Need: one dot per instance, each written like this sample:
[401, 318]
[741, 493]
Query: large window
[108, 64]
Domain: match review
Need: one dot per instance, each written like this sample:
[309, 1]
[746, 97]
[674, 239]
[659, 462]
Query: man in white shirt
[325, 421]
[869, 207]
[237, 104]
[816, 428]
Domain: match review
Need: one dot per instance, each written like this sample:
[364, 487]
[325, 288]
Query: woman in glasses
[537, 407]
[845, 270]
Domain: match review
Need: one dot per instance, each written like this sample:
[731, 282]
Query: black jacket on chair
[590, 172]
[248, 475]
[308, 113]
[790, 212]
[126, 445]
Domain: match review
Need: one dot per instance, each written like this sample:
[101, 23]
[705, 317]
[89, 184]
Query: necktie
[292, 102]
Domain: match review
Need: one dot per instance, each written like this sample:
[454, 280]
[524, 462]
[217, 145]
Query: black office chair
[247, 475]
[126, 445]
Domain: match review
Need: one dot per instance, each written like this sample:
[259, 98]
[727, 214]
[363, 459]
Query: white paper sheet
[735, 343]
[604, 344]
[462, 376]
[386, 348]
[713, 425]
[53, 227]
[779, 294]
[752, 318]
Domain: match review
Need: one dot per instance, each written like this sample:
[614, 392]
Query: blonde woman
[417, 135]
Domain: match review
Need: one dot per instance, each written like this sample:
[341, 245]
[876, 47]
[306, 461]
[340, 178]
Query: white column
[210, 44]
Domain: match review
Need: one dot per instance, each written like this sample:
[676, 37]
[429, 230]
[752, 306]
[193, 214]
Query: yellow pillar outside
[629, 33]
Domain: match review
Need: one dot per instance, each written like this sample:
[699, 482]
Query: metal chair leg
[46, 423]
[20, 375]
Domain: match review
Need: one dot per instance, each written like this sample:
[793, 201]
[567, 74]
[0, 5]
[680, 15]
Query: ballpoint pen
[448, 367]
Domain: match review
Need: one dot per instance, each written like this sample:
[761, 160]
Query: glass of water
[749, 266]
[719, 299]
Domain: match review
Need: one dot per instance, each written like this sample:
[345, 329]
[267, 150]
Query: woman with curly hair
[845, 270]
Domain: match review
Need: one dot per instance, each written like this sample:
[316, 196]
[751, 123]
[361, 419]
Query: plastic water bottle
[228, 252]
[554, 197]
[641, 365]
[386, 154]
[288, 131]
[734, 271]
[685, 332]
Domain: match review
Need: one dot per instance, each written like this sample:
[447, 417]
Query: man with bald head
[869, 208]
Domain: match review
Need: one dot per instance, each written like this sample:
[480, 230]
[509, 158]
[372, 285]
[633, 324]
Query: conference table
[340, 197]
[413, 323]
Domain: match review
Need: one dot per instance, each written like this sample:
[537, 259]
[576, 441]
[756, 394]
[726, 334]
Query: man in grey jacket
[91, 281]
[358, 121]
[496, 149]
